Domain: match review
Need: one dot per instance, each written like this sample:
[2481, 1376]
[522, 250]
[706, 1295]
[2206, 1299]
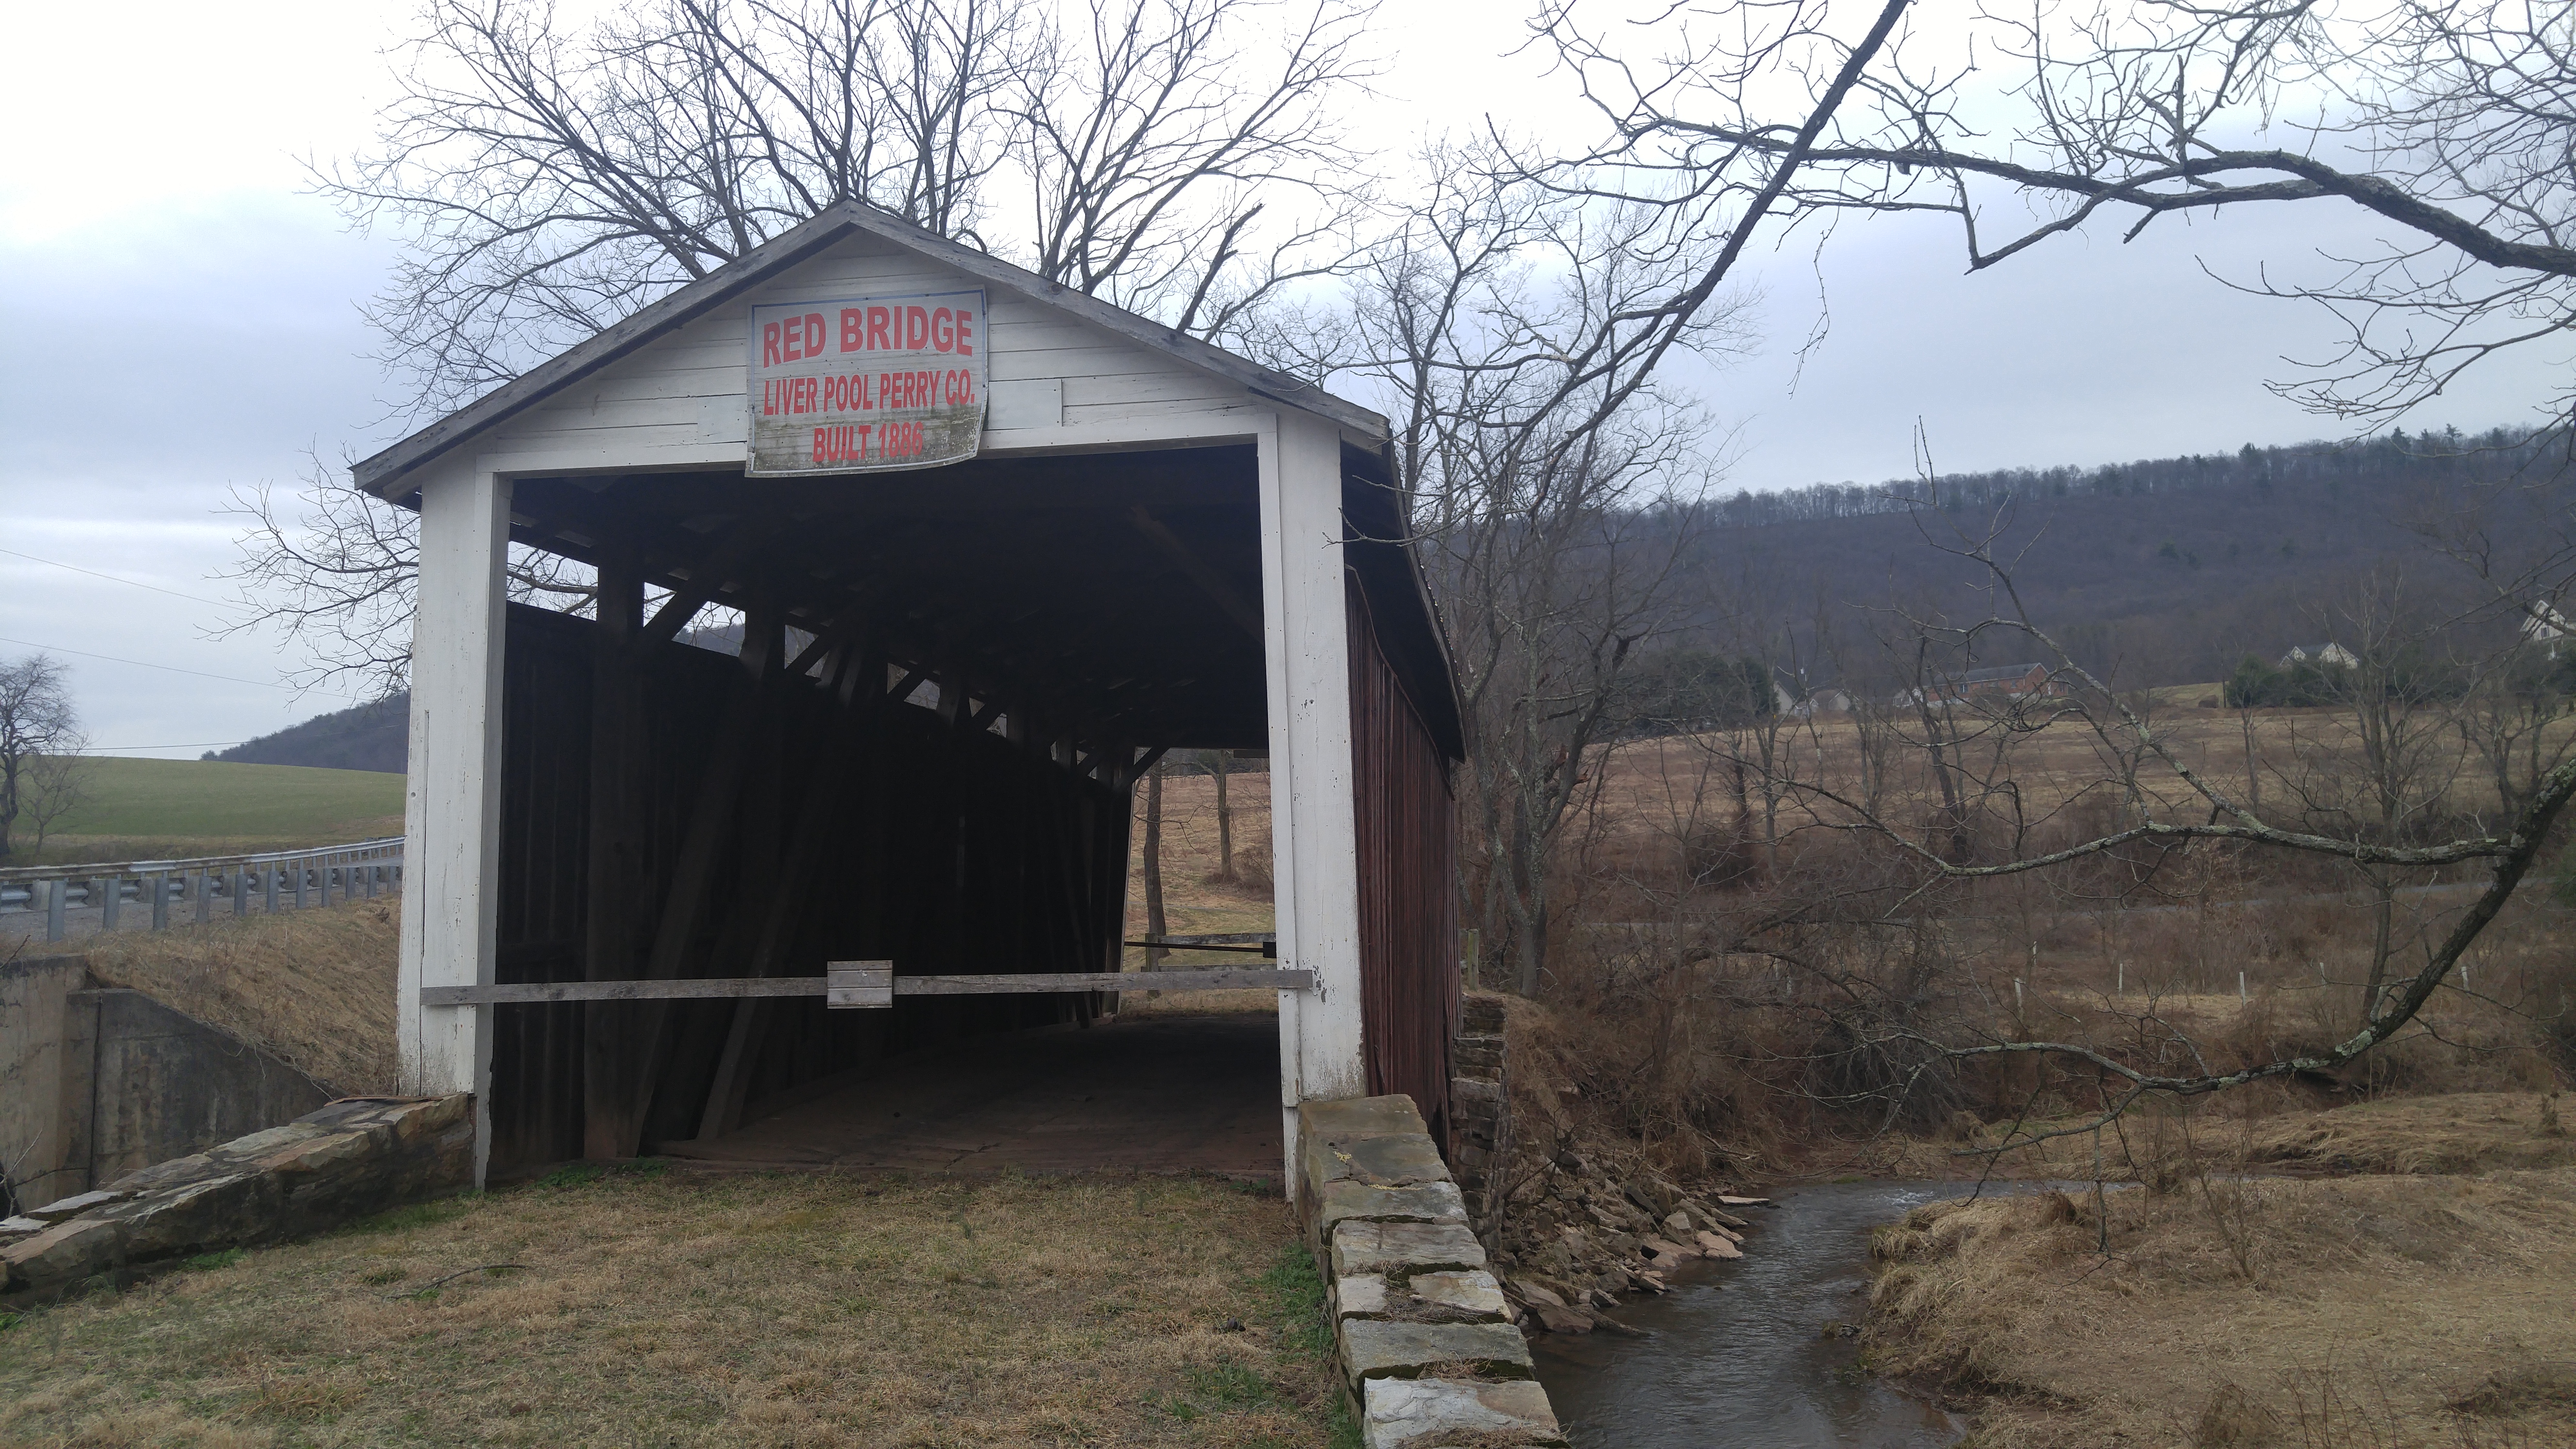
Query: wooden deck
[1152, 1093]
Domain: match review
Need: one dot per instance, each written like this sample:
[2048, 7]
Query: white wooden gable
[666, 388]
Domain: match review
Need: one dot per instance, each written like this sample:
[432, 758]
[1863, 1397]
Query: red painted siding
[1408, 882]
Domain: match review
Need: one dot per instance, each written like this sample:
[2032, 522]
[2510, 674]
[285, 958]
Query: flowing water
[1740, 1355]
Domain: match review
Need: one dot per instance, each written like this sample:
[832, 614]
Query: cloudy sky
[178, 323]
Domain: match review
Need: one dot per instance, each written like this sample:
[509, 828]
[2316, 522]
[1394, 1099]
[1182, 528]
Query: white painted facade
[1060, 383]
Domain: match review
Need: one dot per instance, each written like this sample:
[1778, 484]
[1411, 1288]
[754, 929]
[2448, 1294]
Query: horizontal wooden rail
[620, 990]
[859, 986]
[1219, 978]
[1220, 938]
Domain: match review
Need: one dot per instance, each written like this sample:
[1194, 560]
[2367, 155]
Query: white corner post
[452, 796]
[1313, 827]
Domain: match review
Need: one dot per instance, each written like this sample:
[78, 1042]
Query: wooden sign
[866, 384]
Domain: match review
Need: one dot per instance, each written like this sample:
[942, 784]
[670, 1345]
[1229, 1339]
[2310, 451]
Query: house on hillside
[1795, 696]
[2543, 624]
[2320, 655]
[1999, 683]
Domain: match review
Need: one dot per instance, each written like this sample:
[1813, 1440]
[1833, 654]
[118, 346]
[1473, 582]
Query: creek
[1741, 1354]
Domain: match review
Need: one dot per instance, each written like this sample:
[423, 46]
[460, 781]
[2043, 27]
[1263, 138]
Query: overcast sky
[178, 321]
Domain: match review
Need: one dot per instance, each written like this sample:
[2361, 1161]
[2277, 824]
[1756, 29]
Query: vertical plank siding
[953, 850]
[1407, 880]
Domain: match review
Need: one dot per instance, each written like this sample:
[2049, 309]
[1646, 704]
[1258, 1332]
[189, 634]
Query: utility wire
[142, 664]
[111, 578]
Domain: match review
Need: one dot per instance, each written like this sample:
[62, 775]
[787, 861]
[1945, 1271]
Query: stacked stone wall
[1480, 1113]
[1429, 1349]
[347, 1160]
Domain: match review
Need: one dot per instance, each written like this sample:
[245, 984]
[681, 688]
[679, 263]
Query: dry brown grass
[2454, 1133]
[1195, 902]
[754, 1311]
[314, 987]
[2050, 762]
[2371, 1311]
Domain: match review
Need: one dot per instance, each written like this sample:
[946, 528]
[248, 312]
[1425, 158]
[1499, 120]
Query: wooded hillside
[2164, 571]
[368, 737]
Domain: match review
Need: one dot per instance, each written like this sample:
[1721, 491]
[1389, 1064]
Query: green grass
[202, 807]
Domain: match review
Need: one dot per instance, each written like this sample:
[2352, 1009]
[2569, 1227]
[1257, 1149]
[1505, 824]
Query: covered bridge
[996, 546]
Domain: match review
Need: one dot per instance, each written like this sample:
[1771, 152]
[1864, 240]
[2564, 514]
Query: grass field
[140, 809]
[667, 1310]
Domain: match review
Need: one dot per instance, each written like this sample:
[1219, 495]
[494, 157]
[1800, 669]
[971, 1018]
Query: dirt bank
[2372, 1309]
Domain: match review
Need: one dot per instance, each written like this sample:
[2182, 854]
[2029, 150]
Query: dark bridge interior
[946, 685]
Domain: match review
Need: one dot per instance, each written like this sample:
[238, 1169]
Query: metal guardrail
[281, 879]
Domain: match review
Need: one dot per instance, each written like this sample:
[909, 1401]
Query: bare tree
[549, 180]
[1151, 854]
[2448, 121]
[1556, 517]
[1219, 764]
[1156, 139]
[53, 785]
[2168, 813]
[333, 570]
[37, 721]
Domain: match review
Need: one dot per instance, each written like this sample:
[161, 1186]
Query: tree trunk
[1224, 822]
[1528, 904]
[9, 765]
[2380, 923]
[2253, 778]
[1153, 865]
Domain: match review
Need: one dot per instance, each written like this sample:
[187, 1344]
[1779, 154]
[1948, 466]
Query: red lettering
[877, 318]
[916, 328]
[965, 333]
[769, 344]
[852, 325]
[943, 329]
[815, 336]
[791, 336]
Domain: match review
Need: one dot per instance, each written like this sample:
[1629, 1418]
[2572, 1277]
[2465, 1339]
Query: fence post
[300, 863]
[55, 890]
[268, 877]
[158, 883]
[203, 884]
[111, 901]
